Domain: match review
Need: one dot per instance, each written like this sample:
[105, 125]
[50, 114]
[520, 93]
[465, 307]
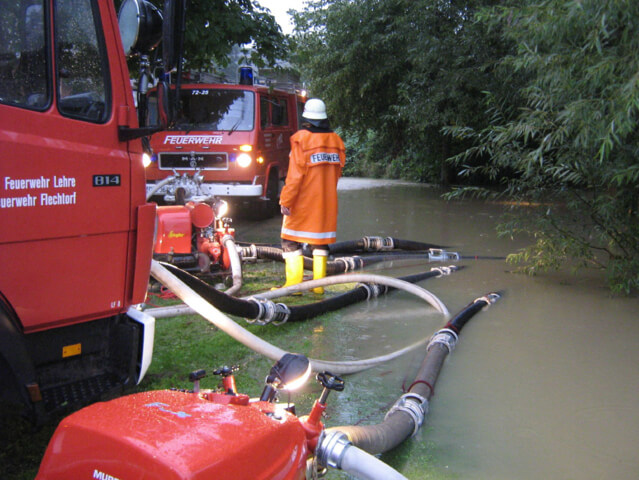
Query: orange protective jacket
[316, 163]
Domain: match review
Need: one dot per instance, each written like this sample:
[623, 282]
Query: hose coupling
[489, 298]
[378, 243]
[414, 405]
[351, 263]
[228, 237]
[331, 446]
[446, 337]
[373, 290]
[444, 270]
[248, 253]
[440, 255]
[269, 312]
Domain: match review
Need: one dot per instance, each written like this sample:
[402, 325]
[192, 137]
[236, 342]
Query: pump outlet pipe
[407, 414]
[236, 264]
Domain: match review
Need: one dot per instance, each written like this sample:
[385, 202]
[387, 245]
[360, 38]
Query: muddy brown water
[542, 385]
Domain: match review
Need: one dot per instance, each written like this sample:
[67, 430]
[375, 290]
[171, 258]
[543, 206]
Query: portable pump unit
[191, 236]
[193, 434]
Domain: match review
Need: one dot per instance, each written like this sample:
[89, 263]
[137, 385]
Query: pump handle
[330, 381]
[197, 375]
[226, 371]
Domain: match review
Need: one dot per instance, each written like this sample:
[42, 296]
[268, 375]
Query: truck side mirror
[163, 104]
[141, 28]
[172, 33]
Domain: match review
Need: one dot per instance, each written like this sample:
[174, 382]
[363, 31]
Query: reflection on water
[544, 384]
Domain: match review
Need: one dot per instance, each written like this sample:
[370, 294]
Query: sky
[278, 9]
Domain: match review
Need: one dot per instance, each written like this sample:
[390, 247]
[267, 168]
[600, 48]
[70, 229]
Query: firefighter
[309, 199]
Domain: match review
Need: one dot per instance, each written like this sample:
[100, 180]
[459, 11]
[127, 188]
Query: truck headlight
[146, 160]
[244, 160]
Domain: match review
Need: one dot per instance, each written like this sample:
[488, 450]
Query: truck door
[65, 188]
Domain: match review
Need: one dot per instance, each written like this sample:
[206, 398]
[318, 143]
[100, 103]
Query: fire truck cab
[76, 231]
[235, 136]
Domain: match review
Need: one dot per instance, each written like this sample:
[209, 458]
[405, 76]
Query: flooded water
[542, 385]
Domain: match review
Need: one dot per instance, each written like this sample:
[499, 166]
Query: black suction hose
[333, 267]
[358, 294]
[378, 244]
[252, 310]
[223, 302]
[407, 415]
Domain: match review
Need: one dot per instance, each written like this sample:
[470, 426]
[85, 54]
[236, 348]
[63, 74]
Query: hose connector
[331, 446]
[414, 405]
[351, 263]
[269, 312]
[440, 255]
[489, 298]
[228, 237]
[446, 337]
[248, 253]
[445, 270]
[378, 244]
[373, 290]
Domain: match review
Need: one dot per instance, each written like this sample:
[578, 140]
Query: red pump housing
[191, 237]
[171, 435]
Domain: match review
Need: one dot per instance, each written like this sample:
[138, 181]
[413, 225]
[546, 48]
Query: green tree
[394, 72]
[569, 153]
[214, 26]
[352, 56]
[453, 59]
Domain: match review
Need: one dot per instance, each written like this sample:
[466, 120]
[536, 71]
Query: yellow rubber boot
[320, 259]
[294, 268]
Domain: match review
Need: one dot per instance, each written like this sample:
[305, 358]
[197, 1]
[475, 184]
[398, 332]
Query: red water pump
[192, 236]
[192, 434]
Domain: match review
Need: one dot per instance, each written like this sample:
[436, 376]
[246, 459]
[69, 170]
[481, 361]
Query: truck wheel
[273, 194]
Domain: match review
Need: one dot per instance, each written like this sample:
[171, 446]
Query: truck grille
[193, 160]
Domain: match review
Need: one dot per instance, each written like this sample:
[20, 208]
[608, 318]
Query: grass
[187, 343]
[182, 344]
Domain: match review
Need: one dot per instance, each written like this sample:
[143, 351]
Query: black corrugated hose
[403, 420]
[333, 267]
[251, 310]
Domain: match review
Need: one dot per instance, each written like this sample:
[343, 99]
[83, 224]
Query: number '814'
[106, 180]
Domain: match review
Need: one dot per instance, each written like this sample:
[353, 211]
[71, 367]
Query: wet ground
[544, 384]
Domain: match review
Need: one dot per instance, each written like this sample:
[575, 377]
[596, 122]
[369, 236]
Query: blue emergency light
[246, 76]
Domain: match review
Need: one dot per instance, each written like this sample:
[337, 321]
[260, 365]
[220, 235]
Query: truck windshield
[216, 109]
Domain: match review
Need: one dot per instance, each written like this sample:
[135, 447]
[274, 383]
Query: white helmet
[314, 109]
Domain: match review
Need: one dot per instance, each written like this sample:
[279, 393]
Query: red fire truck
[235, 136]
[76, 230]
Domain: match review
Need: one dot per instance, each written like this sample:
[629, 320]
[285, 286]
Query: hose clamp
[373, 290]
[331, 447]
[446, 337]
[378, 243]
[414, 405]
[282, 312]
[444, 270]
[248, 253]
[269, 312]
[440, 255]
[350, 263]
[489, 298]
